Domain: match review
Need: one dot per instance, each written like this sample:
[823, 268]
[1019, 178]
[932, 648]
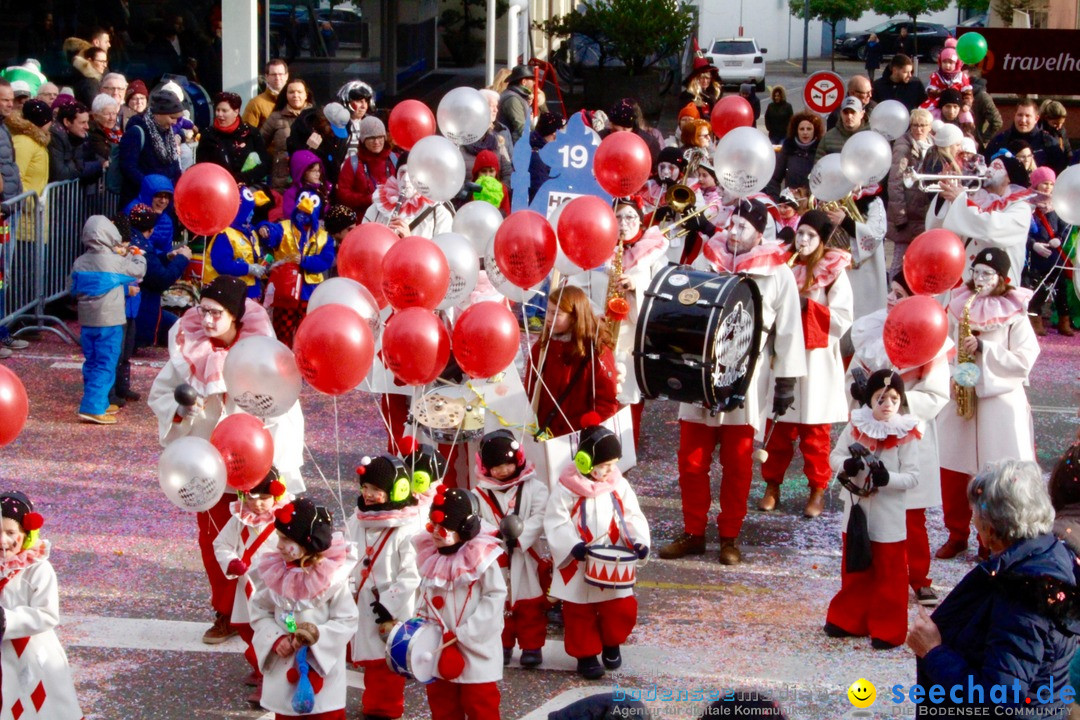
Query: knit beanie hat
[143, 218]
[338, 217]
[164, 102]
[949, 96]
[1042, 174]
[947, 135]
[230, 291]
[14, 505]
[548, 123]
[622, 113]
[1018, 175]
[754, 212]
[597, 445]
[819, 221]
[307, 524]
[485, 159]
[270, 485]
[424, 463]
[456, 510]
[901, 280]
[995, 258]
[882, 379]
[672, 155]
[499, 448]
[388, 473]
[137, 87]
[370, 127]
[37, 112]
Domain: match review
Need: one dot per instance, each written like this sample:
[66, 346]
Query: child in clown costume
[303, 255]
[386, 579]
[593, 505]
[304, 615]
[36, 679]
[426, 467]
[235, 250]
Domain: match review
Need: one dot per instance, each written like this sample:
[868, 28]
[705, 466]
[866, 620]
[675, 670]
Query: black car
[931, 39]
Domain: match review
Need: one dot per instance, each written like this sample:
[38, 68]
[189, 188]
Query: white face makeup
[11, 539]
[896, 294]
[216, 321]
[984, 277]
[997, 174]
[742, 236]
[885, 403]
[406, 189]
[443, 537]
[289, 549]
[806, 241]
[629, 222]
[667, 171]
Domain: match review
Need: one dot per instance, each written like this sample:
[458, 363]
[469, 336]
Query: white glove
[256, 270]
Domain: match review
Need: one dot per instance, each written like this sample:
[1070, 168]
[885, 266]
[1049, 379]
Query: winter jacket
[777, 117]
[361, 174]
[499, 141]
[998, 628]
[1044, 227]
[572, 386]
[988, 122]
[332, 150]
[88, 84]
[793, 164]
[1044, 146]
[259, 109]
[275, 134]
[70, 157]
[139, 159]
[539, 171]
[30, 144]
[873, 56]
[1061, 136]
[300, 161]
[162, 237]
[161, 273]
[911, 94]
[9, 169]
[833, 141]
[907, 206]
[232, 151]
[104, 306]
[98, 141]
[515, 110]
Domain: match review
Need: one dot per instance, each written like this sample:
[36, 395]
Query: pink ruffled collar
[991, 310]
[203, 360]
[461, 568]
[258, 520]
[761, 258]
[582, 486]
[25, 559]
[829, 267]
[387, 518]
[651, 244]
[486, 483]
[297, 583]
[388, 198]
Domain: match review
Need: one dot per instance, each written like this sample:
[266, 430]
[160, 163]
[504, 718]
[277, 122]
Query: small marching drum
[287, 281]
[450, 415]
[610, 566]
[698, 338]
[411, 649]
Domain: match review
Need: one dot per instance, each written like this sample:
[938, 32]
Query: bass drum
[698, 338]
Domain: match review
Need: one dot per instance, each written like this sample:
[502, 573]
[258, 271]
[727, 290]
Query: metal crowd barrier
[18, 258]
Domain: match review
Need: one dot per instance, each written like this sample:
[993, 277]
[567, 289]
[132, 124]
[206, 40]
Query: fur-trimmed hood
[84, 68]
[75, 45]
[18, 125]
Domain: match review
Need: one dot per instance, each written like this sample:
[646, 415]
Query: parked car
[975, 21]
[738, 60]
[930, 39]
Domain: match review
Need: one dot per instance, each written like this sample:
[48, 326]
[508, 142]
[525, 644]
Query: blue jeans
[101, 350]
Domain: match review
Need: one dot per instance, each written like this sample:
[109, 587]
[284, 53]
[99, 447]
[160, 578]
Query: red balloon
[334, 349]
[247, 449]
[415, 274]
[486, 339]
[361, 255]
[730, 112]
[915, 330]
[525, 247]
[207, 198]
[622, 163]
[934, 262]
[587, 231]
[415, 346]
[14, 406]
[410, 122]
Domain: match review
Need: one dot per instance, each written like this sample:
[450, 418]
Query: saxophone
[962, 390]
[617, 307]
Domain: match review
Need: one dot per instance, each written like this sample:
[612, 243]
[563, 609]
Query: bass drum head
[698, 337]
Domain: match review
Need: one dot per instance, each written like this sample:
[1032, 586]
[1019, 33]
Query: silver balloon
[437, 168]
[192, 474]
[1066, 198]
[827, 179]
[261, 376]
[351, 294]
[890, 118]
[478, 220]
[744, 160]
[499, 281]
[866, 157]
[464, 267]
[464, 115]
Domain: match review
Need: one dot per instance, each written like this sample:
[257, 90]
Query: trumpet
[933, 183]
[681, 198]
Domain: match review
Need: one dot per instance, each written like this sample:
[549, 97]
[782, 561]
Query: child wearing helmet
[593, 508]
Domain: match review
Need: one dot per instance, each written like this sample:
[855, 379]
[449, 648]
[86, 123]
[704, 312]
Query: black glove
[803, 301]
[852, 466]
[879, 475]
[641, 550]
[858, 384]
[3, 623]
[578, 551]
[381, 613]
[783, 395]
[511, 545]
[663, 214]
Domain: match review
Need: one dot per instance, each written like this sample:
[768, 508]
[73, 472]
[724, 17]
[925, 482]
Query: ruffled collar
[259, 520]
[25, 559]
[759, 259]
[487, 483]
[296, 583]
[201, 358]
[883, 434]
[582, 486]
[387, 518]
[461, 568]
[651, 244]
[388, 199]
[828, 268]
[990, 310]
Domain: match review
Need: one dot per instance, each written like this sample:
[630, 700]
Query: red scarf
[231, 128]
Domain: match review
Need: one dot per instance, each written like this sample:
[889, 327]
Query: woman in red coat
[575, 364]
[369, 168]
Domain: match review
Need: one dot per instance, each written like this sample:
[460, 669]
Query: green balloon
[971, 48]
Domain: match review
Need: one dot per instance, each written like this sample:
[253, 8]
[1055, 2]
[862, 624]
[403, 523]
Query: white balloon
[890, 118]
[827, 179]
[437, 168]
[744, 160]
[464, 115]
[464, 267]
[1066, 198]
[192, 474]
[866, 157]
[261, 376]
[499, 281]
[478, 220]
[346, 291]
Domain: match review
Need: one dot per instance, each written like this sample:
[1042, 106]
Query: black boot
[612, 657]
[590, 668]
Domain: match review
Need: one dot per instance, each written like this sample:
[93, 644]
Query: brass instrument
[933, 183]
[964, 393]
[840, 238]
[694, 156]
[617, 307]
[681, 198]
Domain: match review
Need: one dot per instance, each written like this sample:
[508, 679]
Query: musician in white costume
[866, 242]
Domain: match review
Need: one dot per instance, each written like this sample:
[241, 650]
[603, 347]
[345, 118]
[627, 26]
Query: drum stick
[761, 454]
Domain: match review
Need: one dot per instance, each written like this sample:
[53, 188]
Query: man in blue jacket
[149, 146]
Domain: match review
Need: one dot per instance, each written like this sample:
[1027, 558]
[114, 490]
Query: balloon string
[385, 416]
[326, 482]
[337, 451]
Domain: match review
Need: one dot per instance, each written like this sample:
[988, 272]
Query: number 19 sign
[569, 158]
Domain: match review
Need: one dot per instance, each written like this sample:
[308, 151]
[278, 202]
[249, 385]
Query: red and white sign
[824, 92]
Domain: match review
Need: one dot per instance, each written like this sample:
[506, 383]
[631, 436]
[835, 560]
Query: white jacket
[524, 579]
[984, 219]
[231, 544]
[868, 274]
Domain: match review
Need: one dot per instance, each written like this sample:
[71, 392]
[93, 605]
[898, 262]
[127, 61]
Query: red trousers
[330, 715]
[696, 444]
[395, 411]
[954, 503]
[874, 602]
[635, 414]
[246, 634]
[814, 443]
[458, 701]
[526, 624]
[589, 628]
[384, 690]
[917, 546]
[211, 522]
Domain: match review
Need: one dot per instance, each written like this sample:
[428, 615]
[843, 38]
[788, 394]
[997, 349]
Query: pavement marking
[66, 366]
[1053, 409]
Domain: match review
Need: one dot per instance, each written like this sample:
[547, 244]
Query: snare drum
[411, 649]
[450, 415]
[286, 280]
[610, 566]
[698, 338]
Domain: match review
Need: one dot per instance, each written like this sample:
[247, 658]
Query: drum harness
[489, 498]
[368, 562]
